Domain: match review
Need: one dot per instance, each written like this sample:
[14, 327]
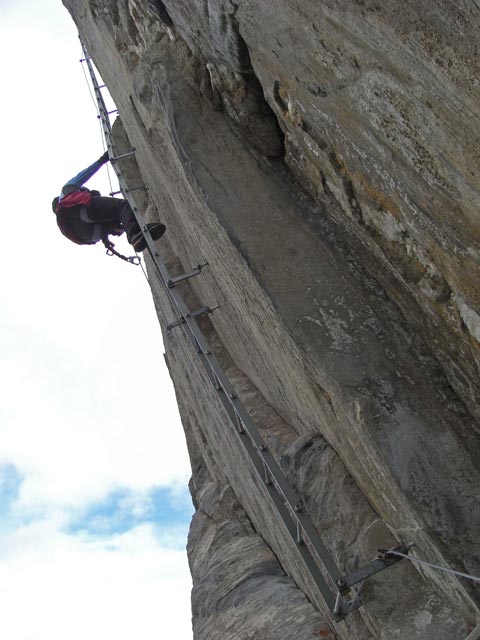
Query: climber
[85, 217]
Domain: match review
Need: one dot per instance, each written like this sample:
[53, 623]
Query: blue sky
[124, 509]
[94, 506]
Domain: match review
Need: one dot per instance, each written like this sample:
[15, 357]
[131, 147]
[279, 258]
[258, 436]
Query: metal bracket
[343, 606]
[197, 270]
[381, 562]
[195, 314]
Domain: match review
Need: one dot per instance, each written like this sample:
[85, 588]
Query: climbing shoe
[138, 242]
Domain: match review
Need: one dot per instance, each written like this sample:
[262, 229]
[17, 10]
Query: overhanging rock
[322, 352]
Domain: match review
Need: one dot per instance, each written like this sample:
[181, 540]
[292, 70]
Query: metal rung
[115, 193]
[123, 155]
[195, 314]
[203, 310]
[175, 323]
[197, 269]
[99, 117]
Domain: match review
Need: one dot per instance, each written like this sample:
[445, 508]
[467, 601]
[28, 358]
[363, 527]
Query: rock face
[323, 158]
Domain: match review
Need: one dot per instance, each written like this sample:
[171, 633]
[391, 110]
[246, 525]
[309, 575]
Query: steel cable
[434, 566]
[99, 120]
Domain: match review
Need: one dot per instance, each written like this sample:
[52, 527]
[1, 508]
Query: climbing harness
[340, 592]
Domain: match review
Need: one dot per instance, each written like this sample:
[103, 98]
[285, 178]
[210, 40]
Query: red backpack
[81, 197]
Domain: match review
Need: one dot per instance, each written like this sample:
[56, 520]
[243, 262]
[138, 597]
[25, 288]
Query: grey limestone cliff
[323, 158]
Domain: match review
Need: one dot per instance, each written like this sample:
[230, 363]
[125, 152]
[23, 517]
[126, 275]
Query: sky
[94, 505]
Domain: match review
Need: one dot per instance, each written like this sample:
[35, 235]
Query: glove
[104, 158]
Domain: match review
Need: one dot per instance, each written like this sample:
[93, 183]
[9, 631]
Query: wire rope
[89, 90]
[434, 566]
[99, 120]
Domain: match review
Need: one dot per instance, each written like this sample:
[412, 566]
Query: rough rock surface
[323, 158]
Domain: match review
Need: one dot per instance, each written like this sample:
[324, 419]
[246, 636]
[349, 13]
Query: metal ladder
[340, 592]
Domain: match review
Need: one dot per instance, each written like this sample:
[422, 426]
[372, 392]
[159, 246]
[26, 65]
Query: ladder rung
[197, 269]
[123, 155]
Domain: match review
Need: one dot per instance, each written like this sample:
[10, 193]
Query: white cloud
[79, 437]
[54, 586]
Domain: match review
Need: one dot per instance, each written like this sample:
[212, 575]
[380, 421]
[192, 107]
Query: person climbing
[85, 217]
